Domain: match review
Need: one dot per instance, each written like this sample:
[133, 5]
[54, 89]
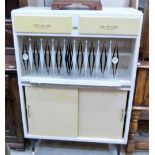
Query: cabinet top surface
[106, 11]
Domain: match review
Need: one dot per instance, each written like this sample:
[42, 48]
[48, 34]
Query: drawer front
[52, 111]
[101, 25]
[43, 24]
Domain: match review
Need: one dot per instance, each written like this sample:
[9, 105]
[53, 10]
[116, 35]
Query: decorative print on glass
[58, 57]
[80, 57]
[30, 54]
[115, 60]
[86, 57]
[68, 57]
[53, 56]
[109, 57]
[97, 59]
[74, 57]
[103, 59]
[64, 53]
[71, 57]
[47, 57]
[36, 58]
[91, 58]
[41, 54]
[25, 55]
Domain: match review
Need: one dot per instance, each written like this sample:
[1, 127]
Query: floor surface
[72, 148]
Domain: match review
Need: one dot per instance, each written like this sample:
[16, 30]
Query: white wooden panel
[101, 113]
[52, 111]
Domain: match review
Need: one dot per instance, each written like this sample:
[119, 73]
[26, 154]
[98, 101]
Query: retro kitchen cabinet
[76, 72]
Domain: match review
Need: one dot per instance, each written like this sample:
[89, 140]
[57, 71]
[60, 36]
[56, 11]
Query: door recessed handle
[122, 115]
[28, 110]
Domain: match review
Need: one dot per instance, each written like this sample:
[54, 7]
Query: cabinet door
[101, 113]
[52, 111]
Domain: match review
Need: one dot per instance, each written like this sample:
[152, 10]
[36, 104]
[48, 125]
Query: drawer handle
[41, 25]
[108, 27]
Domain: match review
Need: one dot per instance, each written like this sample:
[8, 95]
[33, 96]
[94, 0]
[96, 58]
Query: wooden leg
[133, 130]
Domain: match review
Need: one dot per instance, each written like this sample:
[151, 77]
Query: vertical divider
[30, 53]
[41, 55]
[97, 61]
[53, 56]
[109, 57]
[64, 53]
[86, 57]
[74, 58]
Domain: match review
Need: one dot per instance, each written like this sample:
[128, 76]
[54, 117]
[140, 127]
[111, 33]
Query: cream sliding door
[75, 112]
[101, 113]
[52, 111]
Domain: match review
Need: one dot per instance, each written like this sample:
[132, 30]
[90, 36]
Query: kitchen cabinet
[77, 86]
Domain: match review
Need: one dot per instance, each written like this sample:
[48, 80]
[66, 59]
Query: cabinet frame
[130, 89]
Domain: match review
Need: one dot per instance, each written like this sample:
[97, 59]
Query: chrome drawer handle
[108, 27]
[41, 25]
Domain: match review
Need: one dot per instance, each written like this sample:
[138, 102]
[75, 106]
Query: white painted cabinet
[76, 72]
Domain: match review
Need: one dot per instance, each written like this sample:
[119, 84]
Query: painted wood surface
[52, 111]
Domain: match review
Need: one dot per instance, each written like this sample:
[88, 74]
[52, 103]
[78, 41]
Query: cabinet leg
[33, 146]
[118, 149]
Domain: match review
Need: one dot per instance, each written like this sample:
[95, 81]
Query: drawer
[43, 24]
[103, 25]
